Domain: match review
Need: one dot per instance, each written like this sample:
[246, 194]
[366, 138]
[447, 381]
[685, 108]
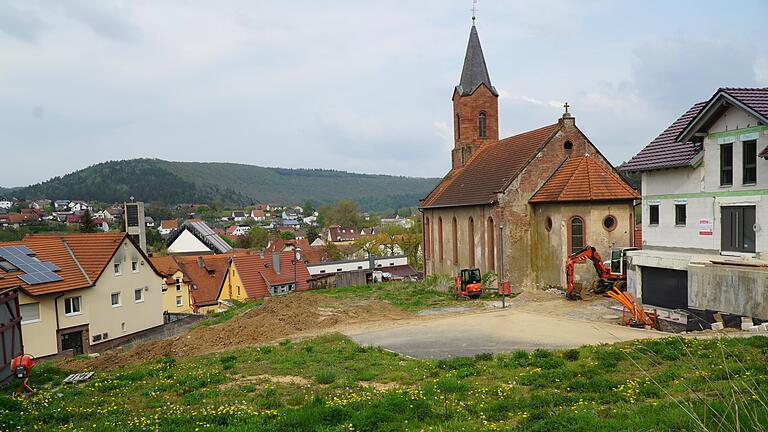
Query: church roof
[475, 72]
[489, 170]
[584, 179]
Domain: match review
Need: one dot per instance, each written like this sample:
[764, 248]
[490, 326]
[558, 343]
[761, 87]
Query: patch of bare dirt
[260, 380]
[278, 318]
[380, 386]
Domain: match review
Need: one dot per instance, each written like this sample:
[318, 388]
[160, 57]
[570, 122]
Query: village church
[519, 206]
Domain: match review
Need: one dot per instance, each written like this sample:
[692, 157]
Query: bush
[325, 377]
[571, 354]
[608, 358]
[484, 357]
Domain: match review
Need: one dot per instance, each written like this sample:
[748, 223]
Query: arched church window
[482, 125]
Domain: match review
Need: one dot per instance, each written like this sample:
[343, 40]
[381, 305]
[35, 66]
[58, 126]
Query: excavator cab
[619, 260]
[469, 283]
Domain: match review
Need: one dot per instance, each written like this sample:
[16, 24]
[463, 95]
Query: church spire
[475, 72]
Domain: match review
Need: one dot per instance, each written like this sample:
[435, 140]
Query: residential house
[339, 234]
[79, 207]
[72, 219]
[360, 271]
[519, 206]
[149, 222]
[705, 211]
[40, 204]
[291, 223]
[168, 226]
[256, 276]
[177, 287]
[6, 203]
[15, 220]
[263, 207]
[238, 230]
[195, 237]
[61, 205]
[258, 215]
[319, 242]
[310, 254]
[238, 216]
[114, 213]
[81, 293]
[290, 215]
[398, 221]
[206, 274]
[310, 220]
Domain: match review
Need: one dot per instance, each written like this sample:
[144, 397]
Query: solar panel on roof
[35, 271]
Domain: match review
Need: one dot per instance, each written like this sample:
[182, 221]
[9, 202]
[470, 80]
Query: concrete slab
[496, 331]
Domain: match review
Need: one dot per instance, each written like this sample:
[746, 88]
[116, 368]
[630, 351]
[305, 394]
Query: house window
[471, 241]
[138, 295]
[577, 234]
[738, 225]
[491, 246]
[117, 269]
[72, 306]
[179, 301]
[238, 291]
[427, 240]
[115, 299]
[30, 313]
[455, 239]
[750, 162]
[135, 266]
[482, 125]
[680, 214]
[178, 285]
[653, 214]
[726, 164]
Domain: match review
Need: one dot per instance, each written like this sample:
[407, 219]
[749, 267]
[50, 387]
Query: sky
[362, 86]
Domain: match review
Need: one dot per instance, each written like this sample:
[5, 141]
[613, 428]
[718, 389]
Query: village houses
[519, 206]
[255, 276]
[81, 293]
[705, 211]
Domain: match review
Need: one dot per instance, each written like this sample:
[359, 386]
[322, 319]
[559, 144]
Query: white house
[258, 215]
[79, 206]
[705, 211]
[196, 237]
[6, 203]
[238, 216]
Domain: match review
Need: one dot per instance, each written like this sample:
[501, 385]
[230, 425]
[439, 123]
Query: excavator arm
[587, 253]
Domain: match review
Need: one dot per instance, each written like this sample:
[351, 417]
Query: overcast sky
[362, 86]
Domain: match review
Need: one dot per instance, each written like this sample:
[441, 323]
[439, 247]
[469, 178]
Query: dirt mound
[279, 317]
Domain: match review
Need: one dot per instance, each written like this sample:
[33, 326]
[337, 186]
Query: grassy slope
[604, 388]
[173, 182]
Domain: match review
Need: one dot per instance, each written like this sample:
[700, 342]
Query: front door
[738, 232]
[72, 340]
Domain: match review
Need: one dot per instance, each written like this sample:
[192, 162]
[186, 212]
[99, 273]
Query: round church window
[609, 223]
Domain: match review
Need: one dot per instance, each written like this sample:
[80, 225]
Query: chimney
[276, 262]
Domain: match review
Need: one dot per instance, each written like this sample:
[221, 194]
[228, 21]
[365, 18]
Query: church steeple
[475, 71]
[475, 104]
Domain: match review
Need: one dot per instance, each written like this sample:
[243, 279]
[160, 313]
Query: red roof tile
[491, 168]
[309, 253]
[755, 98]
[169, 224]
[584, 179]
[206, 272]
[257, 273]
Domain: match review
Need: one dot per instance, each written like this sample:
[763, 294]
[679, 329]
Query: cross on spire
[566, 106]
[474, 9]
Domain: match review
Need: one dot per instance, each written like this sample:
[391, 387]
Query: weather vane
[474, 9]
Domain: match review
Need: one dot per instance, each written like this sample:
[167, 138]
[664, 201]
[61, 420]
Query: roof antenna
[474, 10]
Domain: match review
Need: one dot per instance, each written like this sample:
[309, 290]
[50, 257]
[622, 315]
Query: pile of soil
[299, 314]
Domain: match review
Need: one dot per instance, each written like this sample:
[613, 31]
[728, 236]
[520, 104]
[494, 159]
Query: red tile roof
[489, 170]
[755, 98]
[309, 253]
[169, 224]
[584, 179]
[206, 272]
[70, 252]
[257, 273]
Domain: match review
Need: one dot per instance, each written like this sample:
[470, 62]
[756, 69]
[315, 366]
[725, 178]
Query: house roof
[169, 224]
[205, 234]
[672, 148]
[309, 253]
[475, 72]
[206, 272]
[489, 170]
[81, 258]
[257, 272]
[584, 179]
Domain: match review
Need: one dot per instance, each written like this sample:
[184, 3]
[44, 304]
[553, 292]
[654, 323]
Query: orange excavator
[469, 284]
[611, 276]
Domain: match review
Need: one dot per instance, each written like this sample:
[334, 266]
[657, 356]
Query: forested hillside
[155, 180]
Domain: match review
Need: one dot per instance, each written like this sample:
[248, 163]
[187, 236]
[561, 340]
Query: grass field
[331, 384]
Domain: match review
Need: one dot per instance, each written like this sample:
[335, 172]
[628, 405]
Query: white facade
[186, 242]
[353, 265]
[6, 204]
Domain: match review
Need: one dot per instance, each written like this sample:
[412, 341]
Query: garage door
[665, 288]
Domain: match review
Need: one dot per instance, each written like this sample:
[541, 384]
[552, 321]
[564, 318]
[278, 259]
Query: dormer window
[482, 123]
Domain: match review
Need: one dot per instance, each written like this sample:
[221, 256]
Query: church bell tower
[475, 104]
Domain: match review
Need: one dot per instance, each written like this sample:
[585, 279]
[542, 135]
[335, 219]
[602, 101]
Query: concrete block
[717, 326]
[764, 327]
[746, 326]
[755, 328]
[746, 320]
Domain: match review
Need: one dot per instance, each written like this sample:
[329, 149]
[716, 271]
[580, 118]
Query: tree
[308, 208]
[345, 213]
[259, 237]
[287, 235]
[86, 223]
[312, 233]
[332, 252]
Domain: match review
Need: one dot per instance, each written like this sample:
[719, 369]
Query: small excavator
[612, 276]
[469, 284]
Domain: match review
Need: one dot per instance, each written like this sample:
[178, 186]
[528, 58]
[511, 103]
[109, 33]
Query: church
[518, 206]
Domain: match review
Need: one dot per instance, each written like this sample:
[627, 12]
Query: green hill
[155, 180]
